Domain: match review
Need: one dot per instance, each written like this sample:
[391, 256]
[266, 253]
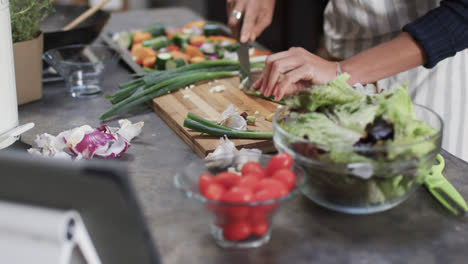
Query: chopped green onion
[188, 123]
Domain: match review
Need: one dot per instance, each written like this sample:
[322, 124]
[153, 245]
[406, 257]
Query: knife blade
[244, 60]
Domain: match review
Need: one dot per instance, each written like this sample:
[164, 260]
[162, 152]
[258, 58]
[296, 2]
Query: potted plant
[28, 46]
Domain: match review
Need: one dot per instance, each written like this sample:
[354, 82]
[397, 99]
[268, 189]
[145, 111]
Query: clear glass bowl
[222, 212]
[82, 67]
[360, 187]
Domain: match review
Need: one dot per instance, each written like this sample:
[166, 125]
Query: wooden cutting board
[173, 109]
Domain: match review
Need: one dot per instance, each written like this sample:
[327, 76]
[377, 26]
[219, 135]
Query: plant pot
[28, 69]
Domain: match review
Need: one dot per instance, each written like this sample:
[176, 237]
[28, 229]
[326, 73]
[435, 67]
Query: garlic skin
[87, 142]
[232, 119]
[226, 152]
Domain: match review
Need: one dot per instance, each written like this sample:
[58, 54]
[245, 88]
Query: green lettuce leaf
[336, 92]
[316, 127]
[355, 115]
[396, 107]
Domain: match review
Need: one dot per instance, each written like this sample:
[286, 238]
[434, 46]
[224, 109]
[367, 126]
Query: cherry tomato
[214, 192]
[255, 168]
[197, 44]
[173, 48]
[287, 177]
[260, 228]
[237, 195]
[227, 179]
[266, 194]
[269, 188]
[248, 181]
[237, 231]
[257, 214]
[205, 180]
[277, 162]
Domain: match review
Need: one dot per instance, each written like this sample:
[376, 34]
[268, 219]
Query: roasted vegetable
[140, 36]
[198, 39]
[125, 40]
[162, 59]
[156, 43]
[232, 47]
[210, 29]
[172, 64]
[157, 30]
[149, 62]
[181, 40]
[193, 51]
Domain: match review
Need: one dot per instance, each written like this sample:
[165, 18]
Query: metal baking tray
[107, 38]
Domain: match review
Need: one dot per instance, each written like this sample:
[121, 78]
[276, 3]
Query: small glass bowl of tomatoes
[242, 192]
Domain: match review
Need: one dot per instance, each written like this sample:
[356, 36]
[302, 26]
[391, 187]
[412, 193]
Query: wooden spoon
[85, 15]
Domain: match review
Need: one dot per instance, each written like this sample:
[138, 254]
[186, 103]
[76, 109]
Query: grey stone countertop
[417, 231]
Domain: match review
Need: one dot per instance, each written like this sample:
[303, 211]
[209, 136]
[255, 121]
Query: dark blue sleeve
[441, 32]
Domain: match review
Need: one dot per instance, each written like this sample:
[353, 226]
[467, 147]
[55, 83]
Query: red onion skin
[100, 137]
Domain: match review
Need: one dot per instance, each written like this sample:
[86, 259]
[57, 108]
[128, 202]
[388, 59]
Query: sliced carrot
[148, 52]
[180, 55]
[172, 31]
[224, 38]
[197, 39]
[192, 51]
[137, 46]
[197, 23]
[141, 36]
[258, 52]
[149, 62]
[136, 49]
[221, 39]
[197, 59]
[140, 53]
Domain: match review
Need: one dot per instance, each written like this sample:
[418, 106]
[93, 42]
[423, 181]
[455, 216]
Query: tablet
[99, 190]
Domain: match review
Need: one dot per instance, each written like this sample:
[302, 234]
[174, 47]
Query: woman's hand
[289, 71]
[257, 16]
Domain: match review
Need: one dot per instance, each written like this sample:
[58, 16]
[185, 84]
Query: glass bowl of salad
[363, 152]
[242, 193]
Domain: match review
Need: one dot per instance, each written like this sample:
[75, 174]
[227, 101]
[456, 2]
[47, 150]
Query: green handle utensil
[443, 190]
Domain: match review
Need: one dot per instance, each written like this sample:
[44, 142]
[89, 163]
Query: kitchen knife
[244, 60]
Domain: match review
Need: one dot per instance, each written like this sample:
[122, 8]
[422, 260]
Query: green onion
[149, 79]
[125, 91]
[140, 100]
[153, 84]
[171, 75]
[259, 95]
[129, 83]
[117, 99]
[163, 88]
[206, 122]
[188, 123]
[146, 69]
